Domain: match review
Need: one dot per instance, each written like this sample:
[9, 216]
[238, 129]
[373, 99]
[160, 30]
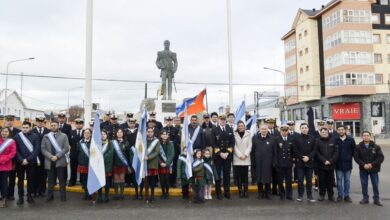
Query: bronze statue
[167, 62]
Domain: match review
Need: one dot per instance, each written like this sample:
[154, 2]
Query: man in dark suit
[106, 121]
[63, 126]
[196, 133]
[273, 132]
[41, 176]
[75, 136]
[292, 134]
[330, 125]
[9, 122]
[223, 142]
[27, 151]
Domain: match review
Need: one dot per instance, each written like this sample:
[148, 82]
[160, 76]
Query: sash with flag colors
[194, 105]
[139, 164]
[253, 122]
[186, 142]
[96, 170]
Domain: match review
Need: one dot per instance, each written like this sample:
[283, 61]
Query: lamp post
[284, 88]
[6, 80]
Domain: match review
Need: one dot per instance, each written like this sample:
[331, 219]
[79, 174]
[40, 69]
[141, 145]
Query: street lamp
[284, 85]
[6, 80]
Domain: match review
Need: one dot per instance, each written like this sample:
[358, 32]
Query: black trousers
[242, 176]
[84, 181]
[275, 180]
[285, 176]
[40, 179]
[164, 183]
[28, 171]
[11, 183]
[4, 183]
[172, 176]
[253, 175]
[325, 182]
[53, 174]
[73, 170]
[305, 173]
[224, 166]
[264, 188]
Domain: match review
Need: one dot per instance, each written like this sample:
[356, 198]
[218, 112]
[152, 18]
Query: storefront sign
[346, 111]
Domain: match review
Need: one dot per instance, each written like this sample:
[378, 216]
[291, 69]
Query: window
[378, 78]
[302, 88]
[301, 70]
[384, 2]
[306, 50]
[291, 77]
[300, 53]
[388, 38]
[290, 61]
[305, 33]
[300, 36]
[307, 68]
[387, 19]
[356, 16]
[297, 114]
[388, 58]
[348, 57]
[376, 38]
[289, 45]
[342, 79]
[375, 18]
[377, 58]
[307, 87]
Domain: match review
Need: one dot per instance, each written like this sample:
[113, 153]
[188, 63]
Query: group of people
[273, 157]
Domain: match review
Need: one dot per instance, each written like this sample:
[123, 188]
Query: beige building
[342, 64]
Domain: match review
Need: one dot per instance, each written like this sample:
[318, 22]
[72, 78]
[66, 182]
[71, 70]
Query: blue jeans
[305, 173]
[343, 182]
[374, 182]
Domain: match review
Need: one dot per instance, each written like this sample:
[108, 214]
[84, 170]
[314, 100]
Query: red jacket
[6, 156]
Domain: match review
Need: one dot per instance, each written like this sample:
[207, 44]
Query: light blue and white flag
[96, 170]
[253, 128]
[240, 114]
[186, 142]
[139, 164]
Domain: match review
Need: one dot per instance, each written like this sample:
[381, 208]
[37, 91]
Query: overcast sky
[126, 37]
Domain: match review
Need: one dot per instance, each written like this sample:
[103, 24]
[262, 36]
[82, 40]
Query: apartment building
[338, 62]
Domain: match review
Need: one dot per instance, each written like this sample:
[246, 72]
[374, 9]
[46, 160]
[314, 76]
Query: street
[236, 208]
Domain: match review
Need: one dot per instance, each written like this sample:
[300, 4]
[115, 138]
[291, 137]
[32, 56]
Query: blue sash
[105, 148]
[84, 148]
[197, 163]
[56, 146]
[119, 152]
[210, 170]
[28, 144]
[183, 159]
[5, 145]
[152, 146]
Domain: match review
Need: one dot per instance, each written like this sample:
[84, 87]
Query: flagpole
[88, 64]
[207, 101]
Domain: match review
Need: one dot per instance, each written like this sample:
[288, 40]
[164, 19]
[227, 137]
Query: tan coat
[242, 147]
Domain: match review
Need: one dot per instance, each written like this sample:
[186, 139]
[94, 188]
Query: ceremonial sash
[195, 134]
[119, 152]
[105, 147]
[28, 144]
[5, 145]
[197, 163]
[184, 160]
[84, 148]
[163, 155]
[56, 146]
[152, 146]
[210, 170]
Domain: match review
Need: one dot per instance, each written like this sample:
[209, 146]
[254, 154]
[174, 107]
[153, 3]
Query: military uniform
[223, 142]
[284, 162]
[75, 137]
[174, 136]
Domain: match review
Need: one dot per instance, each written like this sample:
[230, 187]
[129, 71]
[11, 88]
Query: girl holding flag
[7, 152]
[167, 153]
[121, 163]
[83, 160]
[108, 154]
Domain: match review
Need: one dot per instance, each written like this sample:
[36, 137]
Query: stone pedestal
[165, 108]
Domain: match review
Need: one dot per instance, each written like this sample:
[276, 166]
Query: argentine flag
[186, 141]
[139, 163]
[240, 114]
[253, 121]
[96, 170]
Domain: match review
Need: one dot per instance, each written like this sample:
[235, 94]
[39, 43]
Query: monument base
[164, 108]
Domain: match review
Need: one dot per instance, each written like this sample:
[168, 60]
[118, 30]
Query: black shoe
[227, 195]
[331, 199]
[246, 193]
[339, 198]
[219, 197]
[364, 201]
[282, 198]
[378, 202]
[20, 201]
[30, 199]
[289, 198]
[71, 184]
[63, 198]
[321, 198]
[50, 198]
[42, 194]
[11, 198]
[260, 196]
[267, 196]
[348, 199]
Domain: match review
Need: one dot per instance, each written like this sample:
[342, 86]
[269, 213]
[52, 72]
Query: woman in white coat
[241, 158]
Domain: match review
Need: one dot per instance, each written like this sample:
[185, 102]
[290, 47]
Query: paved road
[236, 208]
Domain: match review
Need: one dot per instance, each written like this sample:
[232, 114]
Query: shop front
[349, 115]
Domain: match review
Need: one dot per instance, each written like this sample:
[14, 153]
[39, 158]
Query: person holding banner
[241, 157]
[198, 177]
[27, 151]
[167, 152]
[83, 147]
[181, 174]
[54, 147]
[121, 163]
[108, 154]
[152, 158]
[7, 153]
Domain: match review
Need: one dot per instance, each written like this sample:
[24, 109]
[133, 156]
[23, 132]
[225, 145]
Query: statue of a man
[167, 63]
